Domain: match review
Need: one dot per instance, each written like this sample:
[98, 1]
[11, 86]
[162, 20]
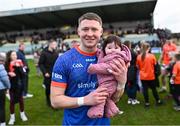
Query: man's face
[53, 45]
[22, 47]
[89, 32]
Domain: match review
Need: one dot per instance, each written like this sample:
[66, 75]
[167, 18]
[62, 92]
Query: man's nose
[90, 33]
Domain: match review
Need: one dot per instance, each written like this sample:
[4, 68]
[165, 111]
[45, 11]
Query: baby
[112, 49]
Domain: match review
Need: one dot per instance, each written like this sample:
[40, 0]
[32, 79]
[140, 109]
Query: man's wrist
[120, 86]
[80, 101]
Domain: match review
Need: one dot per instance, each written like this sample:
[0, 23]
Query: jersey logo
[87, 85]
[78, 65]
[58, 76]
[91, 60]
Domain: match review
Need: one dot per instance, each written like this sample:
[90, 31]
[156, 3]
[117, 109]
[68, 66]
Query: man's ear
[101, 31]
[78, 31]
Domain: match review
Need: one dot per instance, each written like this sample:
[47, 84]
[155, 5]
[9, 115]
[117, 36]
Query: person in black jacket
[46, 63]
[21, 56]
[131, 85]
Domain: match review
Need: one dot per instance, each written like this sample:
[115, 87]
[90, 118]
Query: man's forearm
[120, 86]
[62, 101]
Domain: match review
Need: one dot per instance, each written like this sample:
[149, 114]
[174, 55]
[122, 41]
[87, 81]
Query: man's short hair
[90, 16]
[51, 40]
[21, 43]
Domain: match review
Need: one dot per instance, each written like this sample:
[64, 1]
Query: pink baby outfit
[106, 79]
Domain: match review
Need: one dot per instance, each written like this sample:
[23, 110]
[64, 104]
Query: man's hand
[47, 75]
[96, 97]
[119, 70]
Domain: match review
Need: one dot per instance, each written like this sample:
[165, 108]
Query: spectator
[16, 74]
[175, 81]
[74, 43]
[131, 85]
[145, 63]
[21, 56]
[4, 85]
[168, 49]
[46, 63]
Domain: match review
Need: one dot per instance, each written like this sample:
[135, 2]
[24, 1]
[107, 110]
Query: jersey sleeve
[59, 74]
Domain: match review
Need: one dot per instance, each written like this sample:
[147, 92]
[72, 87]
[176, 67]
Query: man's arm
[60, 100]
[99, 68]
[41, 63]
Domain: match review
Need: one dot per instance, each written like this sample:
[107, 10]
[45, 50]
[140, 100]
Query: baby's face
[112, 48]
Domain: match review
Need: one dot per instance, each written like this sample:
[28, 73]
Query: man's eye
[94, 29]
[85, 29]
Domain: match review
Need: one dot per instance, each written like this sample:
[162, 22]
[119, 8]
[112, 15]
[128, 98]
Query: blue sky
[166, 14]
